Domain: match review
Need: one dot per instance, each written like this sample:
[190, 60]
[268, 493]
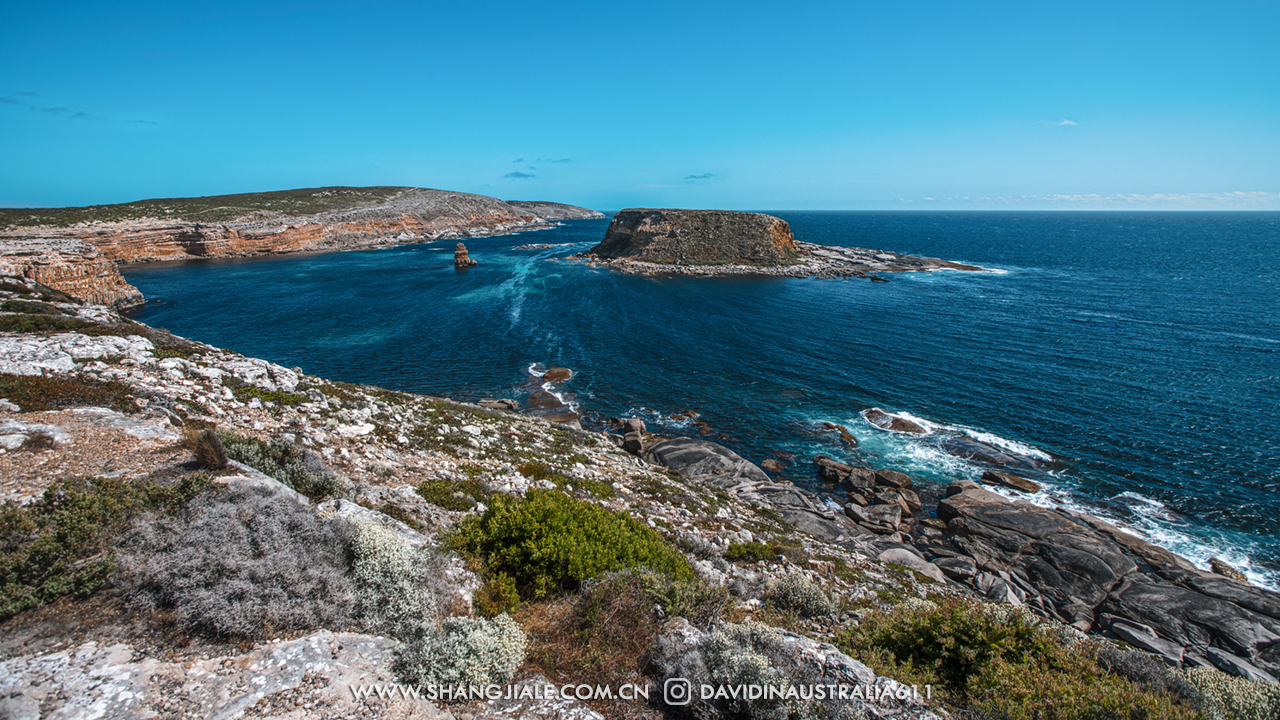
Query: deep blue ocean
[1134, 357]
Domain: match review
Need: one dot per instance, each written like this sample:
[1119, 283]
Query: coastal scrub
[548, 542]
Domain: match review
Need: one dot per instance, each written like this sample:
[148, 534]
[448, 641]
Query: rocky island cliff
[723, 242]
[74, 249]
[134, 460]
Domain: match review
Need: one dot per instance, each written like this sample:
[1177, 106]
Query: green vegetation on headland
[210, 209]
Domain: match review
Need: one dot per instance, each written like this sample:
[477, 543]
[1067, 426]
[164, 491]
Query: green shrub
[35, 393]
[59, 545]
[794, 593]
[394, 600]
[30, 307]
[249, 561]
[40, 323]
[464, 651]
[453, 496]
[1236, 698]
[750, 552]
[498, 595]
[549, 542]
[1002, 661]
[287, 463]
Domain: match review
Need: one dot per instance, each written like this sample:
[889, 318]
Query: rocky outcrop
[1084, 571]
[76, 247]
[554, 211]
[720, 242]
[698, 237]
[461, 260]
[72, 266]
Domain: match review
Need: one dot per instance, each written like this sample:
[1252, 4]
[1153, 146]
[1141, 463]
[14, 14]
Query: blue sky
[739, 105]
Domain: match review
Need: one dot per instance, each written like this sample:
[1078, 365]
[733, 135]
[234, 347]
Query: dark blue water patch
[1134, 354]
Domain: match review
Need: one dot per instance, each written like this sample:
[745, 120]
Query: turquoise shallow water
[1132, 357]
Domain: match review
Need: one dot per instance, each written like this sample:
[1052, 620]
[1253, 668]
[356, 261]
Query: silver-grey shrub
[299, 469]
[396, 598]
[741, 655]
[463, 651]
[796, 593]
[246, 561]
[1236, 698]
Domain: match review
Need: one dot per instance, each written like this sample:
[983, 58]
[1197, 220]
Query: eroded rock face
[1083, 571]
[698, 237]
[74, 267]
[77, 255]
[461, 260]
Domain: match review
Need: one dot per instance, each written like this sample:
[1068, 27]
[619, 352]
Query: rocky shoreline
[714, 243]
[882, 546]
[77, 249]
[821, 261]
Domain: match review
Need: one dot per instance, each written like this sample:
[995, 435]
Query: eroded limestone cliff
[73, 249]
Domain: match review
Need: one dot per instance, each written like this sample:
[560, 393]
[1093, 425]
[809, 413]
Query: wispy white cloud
[1058, 123]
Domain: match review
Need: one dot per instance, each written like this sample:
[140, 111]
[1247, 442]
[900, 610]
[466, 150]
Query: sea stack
[698, 237]
[461, 260]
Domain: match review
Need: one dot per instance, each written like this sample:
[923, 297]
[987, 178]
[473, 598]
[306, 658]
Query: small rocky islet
[89, 393]
[723, 242]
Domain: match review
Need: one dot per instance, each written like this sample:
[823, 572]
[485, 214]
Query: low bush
[794, 593]
[35, 393]
[457, 496]
[394, 597]
[60, 545]
[497, 596]
[463, 651]
[1001, 661]
[602, 635]
[535, 470]
[30, 307]
[287, 463]
[733, 655]
[247, 562]
[1235, 698]
[24, 323]
[549, 542]
[750, 552]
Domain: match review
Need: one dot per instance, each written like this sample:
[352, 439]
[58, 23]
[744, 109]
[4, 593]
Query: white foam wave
[535, 372]
[551, 391]
[1013, 446]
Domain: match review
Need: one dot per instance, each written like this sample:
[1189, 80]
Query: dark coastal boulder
[831, 471]
[886, 421]
[1010, 481]
[716, 465]
[679, 237]
[499, 404]
[558, 374]
[1196, 621]
[893, 479]
[702, 459]
[846, 437]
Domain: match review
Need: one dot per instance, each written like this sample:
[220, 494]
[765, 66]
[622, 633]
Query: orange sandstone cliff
[75, 249]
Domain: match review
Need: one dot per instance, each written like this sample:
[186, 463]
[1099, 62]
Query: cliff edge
[74, 249]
